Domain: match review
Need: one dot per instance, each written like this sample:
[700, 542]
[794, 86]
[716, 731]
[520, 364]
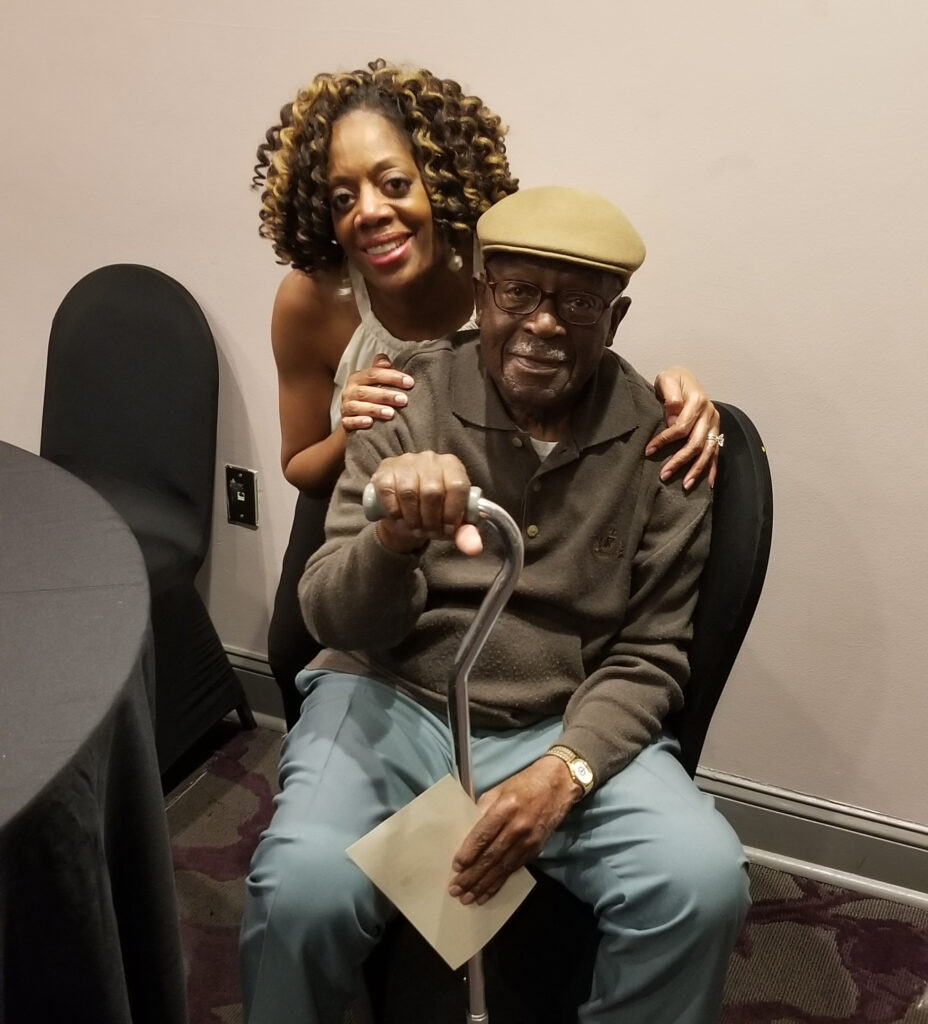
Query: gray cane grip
[373, 510]
[370, 500]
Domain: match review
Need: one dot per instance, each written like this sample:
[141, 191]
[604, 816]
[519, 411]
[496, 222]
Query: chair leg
[245, 716]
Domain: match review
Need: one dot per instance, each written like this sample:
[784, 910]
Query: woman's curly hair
[457, 142]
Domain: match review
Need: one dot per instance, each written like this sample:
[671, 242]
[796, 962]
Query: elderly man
[573, 769]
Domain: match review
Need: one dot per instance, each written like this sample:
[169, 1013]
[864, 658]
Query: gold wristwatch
[580, 771]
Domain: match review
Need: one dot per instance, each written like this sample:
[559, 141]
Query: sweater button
[532, 531]
[516, 441]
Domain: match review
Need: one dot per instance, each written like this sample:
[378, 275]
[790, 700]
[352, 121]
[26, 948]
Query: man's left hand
[519, 816]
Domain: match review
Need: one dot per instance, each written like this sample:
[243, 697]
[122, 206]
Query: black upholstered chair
[539, 966]
[131, 397]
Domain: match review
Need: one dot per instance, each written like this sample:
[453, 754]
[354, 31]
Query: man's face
[540, 361]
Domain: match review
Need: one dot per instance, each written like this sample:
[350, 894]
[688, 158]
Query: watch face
[583, 772]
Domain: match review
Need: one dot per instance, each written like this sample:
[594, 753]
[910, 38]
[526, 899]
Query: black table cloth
[88, 916]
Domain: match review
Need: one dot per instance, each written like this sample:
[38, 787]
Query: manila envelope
[408, 857]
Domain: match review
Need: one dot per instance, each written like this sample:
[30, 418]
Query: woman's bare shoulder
[312, 318]
[313, 301]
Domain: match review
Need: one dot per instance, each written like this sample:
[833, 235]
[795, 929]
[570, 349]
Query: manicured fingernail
[407, 382]
[687, 484]
[650, 450]
[665, 474]
[400, 398]
[455, 890]
[386, 412]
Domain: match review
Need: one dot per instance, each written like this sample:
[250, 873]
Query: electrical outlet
[242, 496]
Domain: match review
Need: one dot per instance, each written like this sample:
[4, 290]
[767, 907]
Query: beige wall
[773, 155]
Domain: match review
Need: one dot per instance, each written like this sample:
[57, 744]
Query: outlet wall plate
[242, 496]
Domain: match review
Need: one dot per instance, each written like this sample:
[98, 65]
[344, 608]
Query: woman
[373, 182]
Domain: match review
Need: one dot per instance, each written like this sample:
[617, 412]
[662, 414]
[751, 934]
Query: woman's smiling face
[380, 208]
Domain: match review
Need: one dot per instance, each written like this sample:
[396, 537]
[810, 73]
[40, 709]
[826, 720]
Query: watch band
[580, 771]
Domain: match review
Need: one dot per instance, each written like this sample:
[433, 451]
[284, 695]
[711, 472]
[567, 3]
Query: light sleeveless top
[369, 338]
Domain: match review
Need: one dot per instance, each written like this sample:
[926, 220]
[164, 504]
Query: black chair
[539, 974]
[131, 398]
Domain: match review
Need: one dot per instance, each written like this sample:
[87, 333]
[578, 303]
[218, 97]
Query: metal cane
[478, 509]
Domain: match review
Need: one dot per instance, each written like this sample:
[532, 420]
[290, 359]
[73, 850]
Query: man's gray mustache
[540, 352]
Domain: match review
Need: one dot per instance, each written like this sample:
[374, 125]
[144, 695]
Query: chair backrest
[731, 582]
[131, 391]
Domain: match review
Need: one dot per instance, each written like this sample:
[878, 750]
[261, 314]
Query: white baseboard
[803, 835]
[836, 843]
[260, 688]
[272, 722]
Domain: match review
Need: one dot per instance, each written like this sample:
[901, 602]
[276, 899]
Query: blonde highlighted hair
[458, 144]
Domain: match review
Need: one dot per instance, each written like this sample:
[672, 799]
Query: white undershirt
[543, 448]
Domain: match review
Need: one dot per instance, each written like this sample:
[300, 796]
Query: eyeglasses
[582, 309]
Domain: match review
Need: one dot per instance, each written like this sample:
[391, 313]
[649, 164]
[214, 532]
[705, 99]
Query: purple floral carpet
[809, 954]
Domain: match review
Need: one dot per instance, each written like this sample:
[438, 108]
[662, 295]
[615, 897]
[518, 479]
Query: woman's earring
[344, 289]
[454, 260]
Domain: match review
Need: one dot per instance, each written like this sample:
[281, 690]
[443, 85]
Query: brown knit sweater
[597, 628]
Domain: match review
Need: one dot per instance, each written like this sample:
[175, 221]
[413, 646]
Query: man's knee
[705, 880]
[690, 873]
[306, 887]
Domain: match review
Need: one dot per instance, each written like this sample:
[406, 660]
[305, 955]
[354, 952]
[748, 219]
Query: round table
[88, 914]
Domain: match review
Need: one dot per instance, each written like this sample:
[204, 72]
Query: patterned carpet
[809, 954]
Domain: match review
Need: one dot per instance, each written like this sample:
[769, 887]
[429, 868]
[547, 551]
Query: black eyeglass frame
[542, 295]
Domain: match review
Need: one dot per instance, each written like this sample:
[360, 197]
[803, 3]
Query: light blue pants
[662, 869]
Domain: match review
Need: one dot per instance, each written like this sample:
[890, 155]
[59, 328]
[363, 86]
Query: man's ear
[618, 315]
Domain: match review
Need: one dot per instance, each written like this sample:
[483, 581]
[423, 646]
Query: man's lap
[359, 752]
[646, 850]
[363, 750]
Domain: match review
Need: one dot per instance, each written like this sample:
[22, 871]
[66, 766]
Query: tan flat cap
[565, 224]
